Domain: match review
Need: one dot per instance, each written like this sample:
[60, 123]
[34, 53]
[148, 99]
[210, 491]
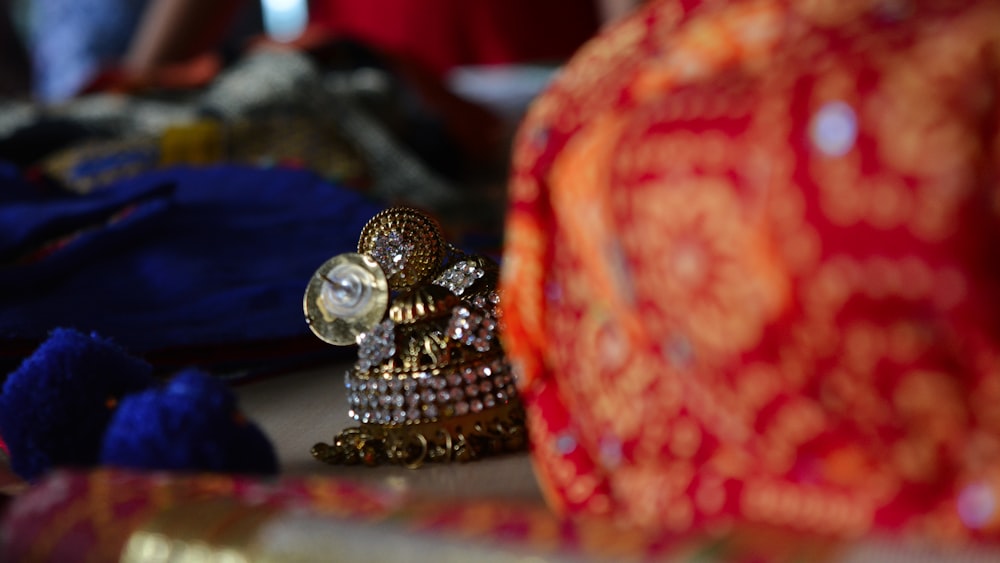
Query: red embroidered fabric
[751, 270]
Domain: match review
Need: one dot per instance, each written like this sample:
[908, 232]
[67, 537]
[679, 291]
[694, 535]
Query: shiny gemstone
[391, 252]
[469, 375]
[431, 411]
[489, 401]
[460, 276]
[461, 408]
[476, 405]
[834, 129]
[472, 328]
[565, 444]
[397, 400]
[976, 505]
[377, 345]
[471, 390]
[487, 302]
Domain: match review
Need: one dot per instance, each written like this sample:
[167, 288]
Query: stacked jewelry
[431, 382]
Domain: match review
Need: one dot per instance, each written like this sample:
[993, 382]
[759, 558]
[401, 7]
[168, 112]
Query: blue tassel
[55, 407]
[80, 400]
[193, 424]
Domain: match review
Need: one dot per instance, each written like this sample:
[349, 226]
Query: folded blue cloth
[211, 260]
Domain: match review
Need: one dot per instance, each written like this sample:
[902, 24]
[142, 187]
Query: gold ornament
[431, 382]
[407, 244]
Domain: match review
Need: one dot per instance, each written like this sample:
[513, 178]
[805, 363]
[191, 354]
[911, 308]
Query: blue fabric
[13, 187]
[71, 40]
[172, 259]
[55, 408]
[192, 424]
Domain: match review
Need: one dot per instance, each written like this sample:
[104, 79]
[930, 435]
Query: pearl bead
[346, 290]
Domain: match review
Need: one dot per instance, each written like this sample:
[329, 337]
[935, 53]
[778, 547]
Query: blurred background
[443, 82]
[105, 104]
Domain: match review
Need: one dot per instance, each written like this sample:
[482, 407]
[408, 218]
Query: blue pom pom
[193, 424]
[55, 407]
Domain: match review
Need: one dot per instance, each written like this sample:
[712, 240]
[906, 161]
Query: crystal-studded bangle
[431, 382]
[426, 396]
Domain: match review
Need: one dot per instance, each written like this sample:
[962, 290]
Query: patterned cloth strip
[96, 516]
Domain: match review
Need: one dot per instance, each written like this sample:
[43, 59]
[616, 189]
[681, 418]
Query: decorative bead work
[407, 245]
[460, 276]
[472, 327]
[376, 346]
[431, 382]
[434, 395]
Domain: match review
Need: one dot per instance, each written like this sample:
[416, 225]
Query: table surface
[299, 409]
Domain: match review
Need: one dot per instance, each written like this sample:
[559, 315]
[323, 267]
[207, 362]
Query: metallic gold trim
[424, 303]
[455, 438]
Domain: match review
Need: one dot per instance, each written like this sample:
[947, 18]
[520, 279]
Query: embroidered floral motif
[745, 249]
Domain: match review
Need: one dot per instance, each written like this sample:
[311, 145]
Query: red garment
[441, 34]
[751, 270]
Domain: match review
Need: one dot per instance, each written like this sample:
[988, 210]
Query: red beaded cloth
[752, 270]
